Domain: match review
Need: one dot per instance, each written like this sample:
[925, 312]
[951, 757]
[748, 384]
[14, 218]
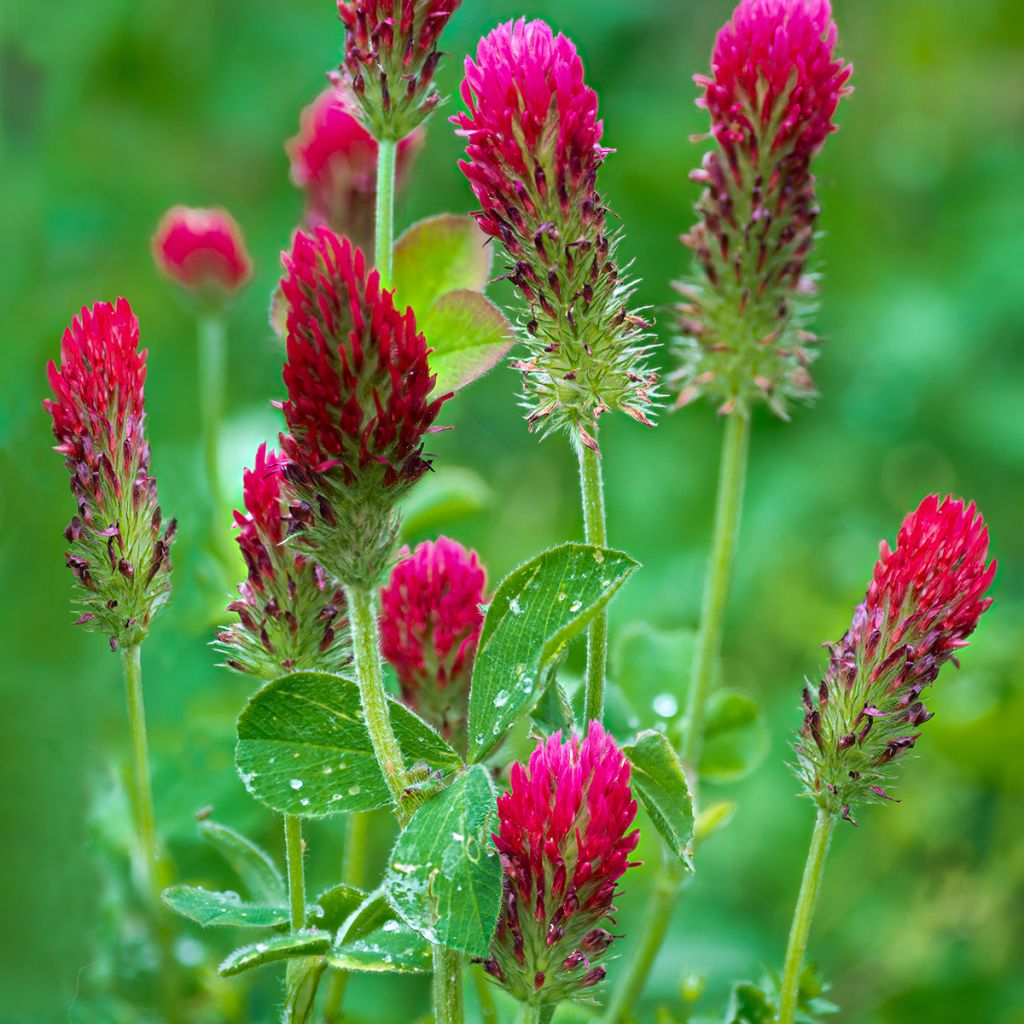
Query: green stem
[334, 997]
[385, 219]
[354, 866]
[142, 790]
[664, 894]
[824, 826]
[212, 366]
[536, 1014]
[447, 986]
[485, 998]
[595, 531]
[728, 510]
[362, 608]
[296, 874]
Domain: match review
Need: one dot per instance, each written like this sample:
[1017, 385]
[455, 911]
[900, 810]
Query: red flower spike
[772, 95]
[334, 160]
[116, 549]
[430, 625]
[564, 844]
[533, 150]
[390, 59]
[203, 251]
[359, 405]
[924, 600]
[291, 616]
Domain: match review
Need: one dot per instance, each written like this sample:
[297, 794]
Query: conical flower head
[533, 149]
[391, 55]
[291, 615]
[359, 405]
[772, 95]
[430, 625]
[117, 546]
[924, 601]
[203, 251]
[564, 845]
[334, 160]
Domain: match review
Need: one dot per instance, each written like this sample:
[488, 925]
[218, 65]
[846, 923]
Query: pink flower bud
[115, 546]
[291, 617]
[564, 846]
[430, 625]
[390, 59]
[202, 250]
[358, 409]
[533, 150]
[925, 599]
[334, 159]
[773, 92]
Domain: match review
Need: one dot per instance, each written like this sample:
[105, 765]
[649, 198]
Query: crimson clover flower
[533, 150]
[203, 251]
[774, 88]
[291, 616]
[430, 626]
[924, 600]
[391, 55]
[359, 405]
[564, 846]
[334, 159]
[118, 549]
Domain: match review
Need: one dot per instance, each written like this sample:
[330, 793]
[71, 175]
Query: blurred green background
[113, 110]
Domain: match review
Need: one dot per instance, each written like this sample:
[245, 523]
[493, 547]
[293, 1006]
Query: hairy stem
[384, 224]
[592, 493]
[296, 875]
[447, 986]
[362, 604]
[814, 871]
[728, 509]
[485, 998]
[658, 916]
[536, 1014]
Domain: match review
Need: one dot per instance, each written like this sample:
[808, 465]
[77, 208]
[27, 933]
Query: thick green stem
[485, 998]
[592, 493]
[362, 609]
[354, 865]
[334, 997]
[385, 219]
[142, 790]
[447, 986]
[296, 873]
[814, 871]
[212, 368]
[536, 1014]
[728, 510]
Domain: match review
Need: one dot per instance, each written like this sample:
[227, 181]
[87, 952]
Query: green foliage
[659, 785]
[375, 939]
[535, 612]
[444, 875]
[222, 908]
[736, 737]
[447, 494]
[441, 266]
[280, 947]
[303, 748]
[253, 865]
[333, 906]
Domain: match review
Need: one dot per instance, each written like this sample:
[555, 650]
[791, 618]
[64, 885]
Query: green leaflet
[303, 749]
[444, 875]
[207, 908]
[333, 907]
[374, 939]
[660, 786]
[280, 947]
[535, 612]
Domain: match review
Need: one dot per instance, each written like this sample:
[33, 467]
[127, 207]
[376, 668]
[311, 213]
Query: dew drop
[353, 790]
[666, 705]
[296, 783]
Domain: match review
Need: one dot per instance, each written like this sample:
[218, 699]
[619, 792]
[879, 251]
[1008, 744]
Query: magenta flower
[564, 846]
[117, 551]
[291, 617]
[390, 59]
[334, 160]
[772, 95]
[202, 250]
[430, 625]
[924, 601]
[533, 149]
[359, 405]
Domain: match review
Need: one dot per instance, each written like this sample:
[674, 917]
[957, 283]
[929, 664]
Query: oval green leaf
[281, 947]
[736, 737]
[444, 875]
[303, 748]
[535, 612]
[253, 865]
[227, 909]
